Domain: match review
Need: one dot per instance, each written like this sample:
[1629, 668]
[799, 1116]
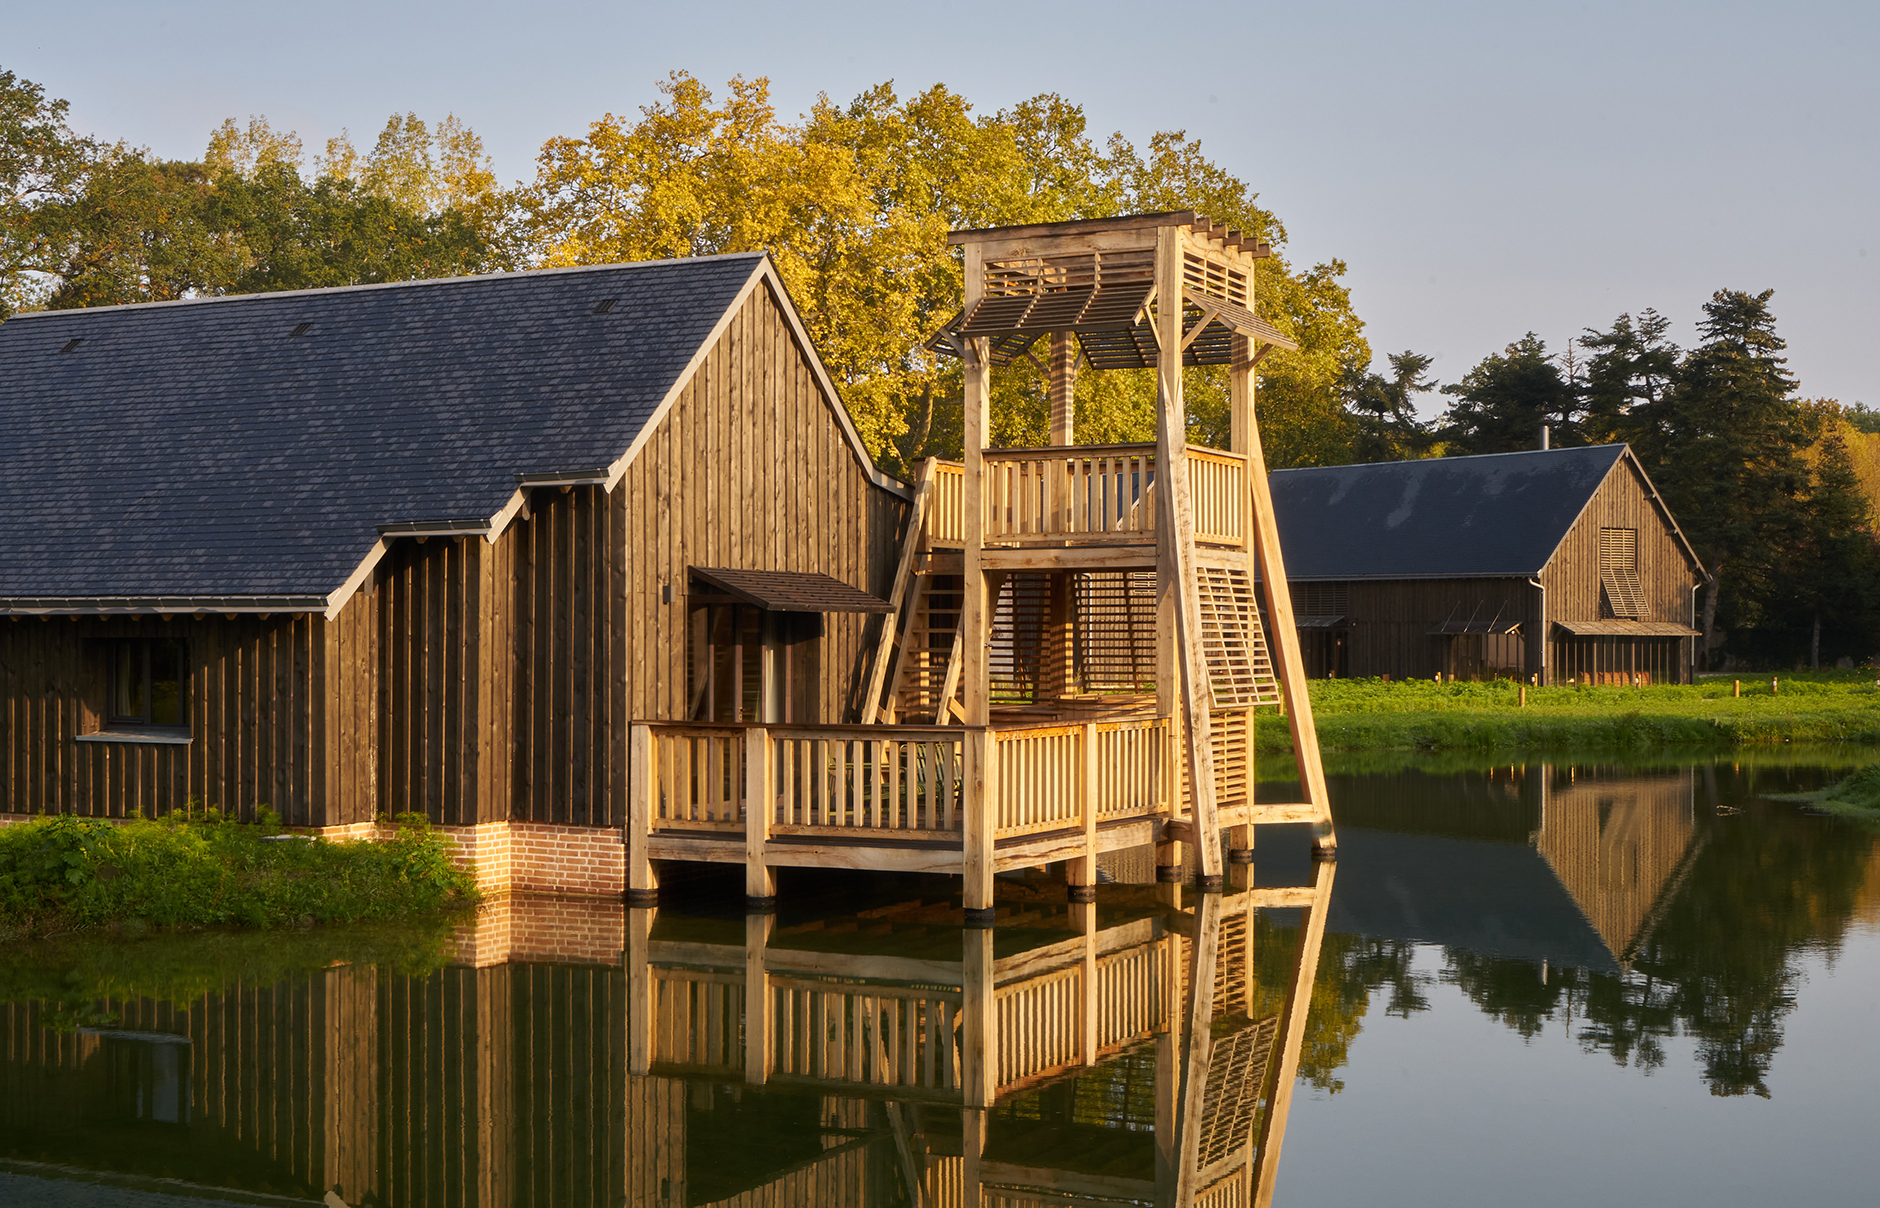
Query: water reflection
[1631, 906]
[876, 1054]
[865, 1048]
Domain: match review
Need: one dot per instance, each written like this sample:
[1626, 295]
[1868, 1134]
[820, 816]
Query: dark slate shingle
[201, 449]
[1494, 515]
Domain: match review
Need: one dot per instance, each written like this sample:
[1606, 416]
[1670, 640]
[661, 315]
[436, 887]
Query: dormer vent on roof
[72, 344]
[301, 329]
[605, 305]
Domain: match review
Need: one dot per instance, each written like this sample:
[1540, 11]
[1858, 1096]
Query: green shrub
[67, 873]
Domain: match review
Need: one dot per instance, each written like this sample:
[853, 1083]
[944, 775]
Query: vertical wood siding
[259, 728]
[1666, 576]
[751, 470]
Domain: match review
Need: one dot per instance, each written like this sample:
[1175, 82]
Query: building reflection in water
[1080, 1054]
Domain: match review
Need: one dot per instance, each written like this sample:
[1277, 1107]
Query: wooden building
[1552, 566]
[600, 549]
[423, 547]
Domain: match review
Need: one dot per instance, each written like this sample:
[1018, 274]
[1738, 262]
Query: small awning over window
[1626, 629]
[1334, 622]
[791, 590]
[1492, 625]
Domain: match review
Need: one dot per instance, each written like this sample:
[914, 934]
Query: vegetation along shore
[1422, 715]
[64, 874]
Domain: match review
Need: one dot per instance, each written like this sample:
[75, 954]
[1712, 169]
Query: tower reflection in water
[1126, 1062]
[880, 1054]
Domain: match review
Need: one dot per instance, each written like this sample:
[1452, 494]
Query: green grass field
[1820, 707]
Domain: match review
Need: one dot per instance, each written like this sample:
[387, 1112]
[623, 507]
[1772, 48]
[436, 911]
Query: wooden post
[975, 618]
[1292, 1035]
[979, 1020]
[639, 991]
[1081, 870]
[1177, 536]
[1063, 388]
[1197, 1046]
[979, 817]
[757, 1045]
[642, 788]
[760, 883]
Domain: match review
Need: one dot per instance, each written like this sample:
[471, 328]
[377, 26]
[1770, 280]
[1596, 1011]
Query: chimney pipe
[1544, 445]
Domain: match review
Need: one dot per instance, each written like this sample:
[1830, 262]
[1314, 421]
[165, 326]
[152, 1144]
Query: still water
[1540, 984]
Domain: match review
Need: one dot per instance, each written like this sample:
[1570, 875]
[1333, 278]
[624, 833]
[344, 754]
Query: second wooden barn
[1552, 566]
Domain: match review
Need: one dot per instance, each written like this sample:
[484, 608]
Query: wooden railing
[1041, 1019]
[881, 1035]
[1054, 494]
[1040, 777]
[866, 778]
[1046, 775]
[697, 1019]
[697, 777]
[902, 782]
[1097, 493]
[1135, 767]
[1217, 482]
[946, 524]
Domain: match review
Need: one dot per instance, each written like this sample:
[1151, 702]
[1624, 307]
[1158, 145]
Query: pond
[1547, 983]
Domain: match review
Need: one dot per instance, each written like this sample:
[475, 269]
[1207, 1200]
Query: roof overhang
[790, 590]
[1607, 628]
[81, 606]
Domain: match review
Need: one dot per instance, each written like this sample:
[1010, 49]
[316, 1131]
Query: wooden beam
[895, 624]
[1289, 664]
[641, 788]
[1178, 538]
[1063, 388]
[1198, 1046]
[1292, 1035]
[759, 798]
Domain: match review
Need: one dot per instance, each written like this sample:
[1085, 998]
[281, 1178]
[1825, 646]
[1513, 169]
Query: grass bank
[65, 874]
[1826, 707]
[1856, 796]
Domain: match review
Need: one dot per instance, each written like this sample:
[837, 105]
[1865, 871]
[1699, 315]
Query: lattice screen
[1233, 640]
[1236, 1078]
[1115, 634]
[1618, 573]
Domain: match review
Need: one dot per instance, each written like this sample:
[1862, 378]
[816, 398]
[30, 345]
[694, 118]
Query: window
[149, 684]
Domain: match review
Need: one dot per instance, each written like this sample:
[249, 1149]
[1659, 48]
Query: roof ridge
[381, 285]
[1417, 461]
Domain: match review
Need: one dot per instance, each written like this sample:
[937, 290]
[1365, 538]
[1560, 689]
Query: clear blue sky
[1484, 168]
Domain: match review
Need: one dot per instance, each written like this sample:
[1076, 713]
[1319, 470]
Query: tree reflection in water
[1700, 937]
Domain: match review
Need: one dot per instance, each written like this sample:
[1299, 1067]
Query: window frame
[143, 652]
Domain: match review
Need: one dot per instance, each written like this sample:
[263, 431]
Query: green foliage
[42, 163]
[66, 873]
[77, 975]
[853, 202]
[1420, 715]
[1384, 410]
[1502, 402]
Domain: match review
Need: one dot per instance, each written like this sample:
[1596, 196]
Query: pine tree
[1628, 375]
[1729, 439]
[1502, 403]
[1384, 411]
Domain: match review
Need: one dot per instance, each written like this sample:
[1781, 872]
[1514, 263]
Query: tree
[1724, 446]
[1502, 402]
[1632, 367]
[43, 165]
[1383, 409]
[854, 202]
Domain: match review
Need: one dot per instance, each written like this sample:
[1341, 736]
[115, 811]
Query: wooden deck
[937, 799]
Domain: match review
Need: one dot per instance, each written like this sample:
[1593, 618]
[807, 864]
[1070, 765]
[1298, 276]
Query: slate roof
[199, 449]
[1501, 514]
